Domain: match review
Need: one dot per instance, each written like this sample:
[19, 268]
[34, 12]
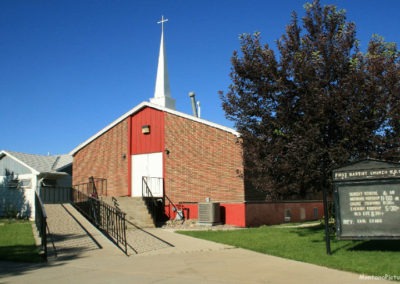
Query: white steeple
[162, 93]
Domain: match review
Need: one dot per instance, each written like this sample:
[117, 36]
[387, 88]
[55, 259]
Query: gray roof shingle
[43, 163]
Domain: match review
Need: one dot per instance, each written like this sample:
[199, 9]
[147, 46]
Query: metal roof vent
[209, 213]
[195, 104]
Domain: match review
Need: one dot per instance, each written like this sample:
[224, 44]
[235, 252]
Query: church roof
[158, 107]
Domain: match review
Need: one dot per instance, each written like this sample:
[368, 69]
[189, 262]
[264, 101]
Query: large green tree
[317, 105]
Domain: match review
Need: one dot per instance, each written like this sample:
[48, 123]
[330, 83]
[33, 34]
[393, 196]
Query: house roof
[154, 106]
[40, 163]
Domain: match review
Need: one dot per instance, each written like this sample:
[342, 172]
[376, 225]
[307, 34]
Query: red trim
[129, 154]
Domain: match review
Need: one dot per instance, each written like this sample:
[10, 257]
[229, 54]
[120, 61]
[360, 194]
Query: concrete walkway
[73, 235]
[86, 256]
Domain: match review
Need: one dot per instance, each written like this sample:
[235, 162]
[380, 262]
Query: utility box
[209, 213]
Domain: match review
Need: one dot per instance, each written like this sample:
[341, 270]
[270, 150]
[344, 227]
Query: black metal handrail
[176, 209]
[94, 187]
[146, 191]
[111, 221]
[41, 224]
[149, 199]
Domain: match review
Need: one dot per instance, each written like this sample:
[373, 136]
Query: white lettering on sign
[372, 198]
[372, 203]
[358, 174]
[358, 208]
[369, 207]
[366, 174]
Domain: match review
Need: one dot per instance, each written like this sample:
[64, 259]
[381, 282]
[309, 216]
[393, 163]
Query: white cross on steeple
[162, 22]
[162, 93]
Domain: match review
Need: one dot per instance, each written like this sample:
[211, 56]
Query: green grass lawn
[307, 244]
[17, 242]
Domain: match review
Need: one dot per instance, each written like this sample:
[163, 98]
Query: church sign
[367, 200]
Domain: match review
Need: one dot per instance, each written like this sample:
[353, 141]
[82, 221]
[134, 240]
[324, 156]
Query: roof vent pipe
[193, 102]
[198, 109]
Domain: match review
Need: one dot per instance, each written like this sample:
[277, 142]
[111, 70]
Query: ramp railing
[111, 221]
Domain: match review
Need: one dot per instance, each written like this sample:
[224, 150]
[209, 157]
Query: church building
[155, 151]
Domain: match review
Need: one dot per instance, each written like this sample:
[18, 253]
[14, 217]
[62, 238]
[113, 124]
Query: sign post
[326, 218]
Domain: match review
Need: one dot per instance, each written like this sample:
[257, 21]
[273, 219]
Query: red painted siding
[147, 143]
[190, 211]
[234, 214]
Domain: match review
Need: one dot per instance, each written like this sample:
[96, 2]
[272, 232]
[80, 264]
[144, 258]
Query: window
[49, 182]
[25, 183]
[302, 213]
[288, 215]
[315, 213]
[12, 183]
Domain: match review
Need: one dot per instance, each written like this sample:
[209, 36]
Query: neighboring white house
[21, 174]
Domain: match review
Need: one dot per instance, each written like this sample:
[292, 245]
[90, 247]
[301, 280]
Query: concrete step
[136, 211]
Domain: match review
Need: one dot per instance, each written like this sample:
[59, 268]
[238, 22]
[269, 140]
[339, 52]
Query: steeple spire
[162, 93]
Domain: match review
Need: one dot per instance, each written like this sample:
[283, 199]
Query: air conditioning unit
[209, 213]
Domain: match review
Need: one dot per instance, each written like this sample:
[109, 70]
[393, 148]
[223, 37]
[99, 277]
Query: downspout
[129, 156]
[39, 185]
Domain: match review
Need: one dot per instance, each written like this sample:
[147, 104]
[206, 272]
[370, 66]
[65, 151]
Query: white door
[147, 165]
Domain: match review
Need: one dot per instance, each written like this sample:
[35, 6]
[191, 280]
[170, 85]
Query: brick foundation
[271, 213]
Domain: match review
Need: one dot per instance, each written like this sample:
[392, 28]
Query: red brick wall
[103, 158]
[271, 213]
[203, 161]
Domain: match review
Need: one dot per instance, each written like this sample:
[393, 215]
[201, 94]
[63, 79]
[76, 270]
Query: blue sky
[68, 68]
